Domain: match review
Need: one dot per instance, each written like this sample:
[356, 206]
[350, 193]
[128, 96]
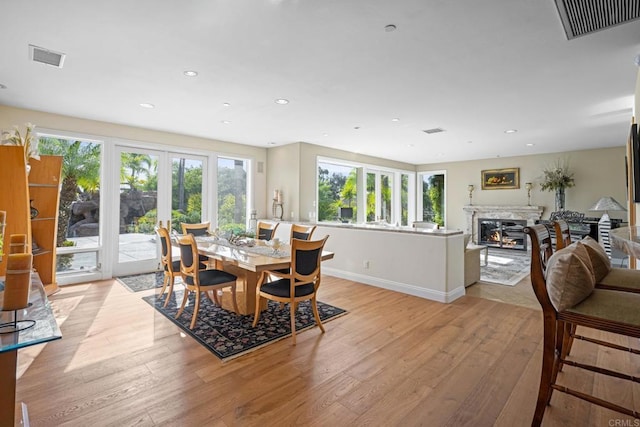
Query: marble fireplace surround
[473, 212]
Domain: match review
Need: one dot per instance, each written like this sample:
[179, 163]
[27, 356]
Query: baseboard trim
[430, 294]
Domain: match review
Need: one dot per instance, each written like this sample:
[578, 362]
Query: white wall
[597, 173]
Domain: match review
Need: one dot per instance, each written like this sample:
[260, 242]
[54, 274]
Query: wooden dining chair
[200, 229]
[171, 268]
[302, 232]
[564, 285]
[300, 284]
[266, 230]
[198, 281]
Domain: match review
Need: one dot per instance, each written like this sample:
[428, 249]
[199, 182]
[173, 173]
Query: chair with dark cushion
[300, 285]
[564, 285]
[302, 232]
[198, 281]
[200, 229]
[266, 230]
[171, 268]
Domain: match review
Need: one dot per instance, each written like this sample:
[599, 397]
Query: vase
[560, 199]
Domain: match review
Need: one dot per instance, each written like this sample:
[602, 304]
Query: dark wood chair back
[563, 234]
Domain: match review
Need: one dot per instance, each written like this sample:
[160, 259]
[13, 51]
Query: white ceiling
[474, 68]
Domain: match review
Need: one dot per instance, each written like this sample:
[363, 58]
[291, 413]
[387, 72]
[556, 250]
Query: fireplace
[502, 233]
[527, 214]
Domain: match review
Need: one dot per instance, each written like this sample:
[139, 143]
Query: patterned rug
[229, 335]
[143, 282]
[506, 266]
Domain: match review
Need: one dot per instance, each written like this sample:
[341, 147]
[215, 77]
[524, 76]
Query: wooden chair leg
[548, 358]
[293, 322]
[256, 316]
[166, 301]
[316, 314]
[165, 280]
[184, 302]
[196, 308]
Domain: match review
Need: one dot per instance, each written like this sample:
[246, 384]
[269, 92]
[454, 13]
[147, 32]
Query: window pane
[404, 199]
[337, 188]
[232, 194]
[386, 184]
[433, 198]
[79, 211]
[186, 192]
[371, 197]
[138, 206]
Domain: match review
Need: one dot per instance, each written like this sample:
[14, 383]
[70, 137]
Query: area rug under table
[229, 335]
[506, 266]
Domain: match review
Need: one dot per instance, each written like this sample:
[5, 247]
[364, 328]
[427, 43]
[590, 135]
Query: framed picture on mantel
[501, 179]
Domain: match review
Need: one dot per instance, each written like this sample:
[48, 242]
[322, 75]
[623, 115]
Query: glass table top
[45, 328]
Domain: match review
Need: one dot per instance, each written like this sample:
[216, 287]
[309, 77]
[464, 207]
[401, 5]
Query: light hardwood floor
[394, 360]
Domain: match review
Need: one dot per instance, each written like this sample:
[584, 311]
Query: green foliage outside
[433, 199]
[335, 191]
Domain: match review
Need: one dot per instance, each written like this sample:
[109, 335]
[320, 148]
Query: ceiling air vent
[46, 56]
[434, 130]
[581, 17]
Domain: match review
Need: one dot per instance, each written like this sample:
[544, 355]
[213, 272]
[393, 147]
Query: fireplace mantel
[528, 213]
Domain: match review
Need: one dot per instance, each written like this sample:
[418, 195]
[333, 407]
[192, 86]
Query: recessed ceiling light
[282, 101]
[226, 122]
[410, 145]
[190, 73]
[469, 142]
[395, 119]
[511, 131]
[356, 127]
[2, 86]
[325, 134]
[271, 143]
[389, 28]
[530, 144]
[147, 105]
[226, 104]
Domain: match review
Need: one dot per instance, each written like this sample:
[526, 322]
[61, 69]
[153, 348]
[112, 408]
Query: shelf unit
[44, 195]
[42, 185]
[14, 197]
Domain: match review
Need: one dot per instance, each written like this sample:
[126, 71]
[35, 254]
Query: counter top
[626, 239]
[377, 227]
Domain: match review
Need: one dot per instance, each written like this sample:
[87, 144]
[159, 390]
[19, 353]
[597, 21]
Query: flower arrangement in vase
[557, 178]
[14, 137]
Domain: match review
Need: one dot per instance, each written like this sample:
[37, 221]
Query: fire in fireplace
[502, 233]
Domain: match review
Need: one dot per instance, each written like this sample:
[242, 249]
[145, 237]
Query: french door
[153, 186]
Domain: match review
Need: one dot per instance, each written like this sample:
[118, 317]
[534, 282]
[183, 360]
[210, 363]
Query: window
[232, 194]
[78, 236]
[433, 196]
[337, 188]
[186, 191]
[380, 195]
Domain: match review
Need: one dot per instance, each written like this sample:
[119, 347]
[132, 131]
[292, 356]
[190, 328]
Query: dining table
[247, 261]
